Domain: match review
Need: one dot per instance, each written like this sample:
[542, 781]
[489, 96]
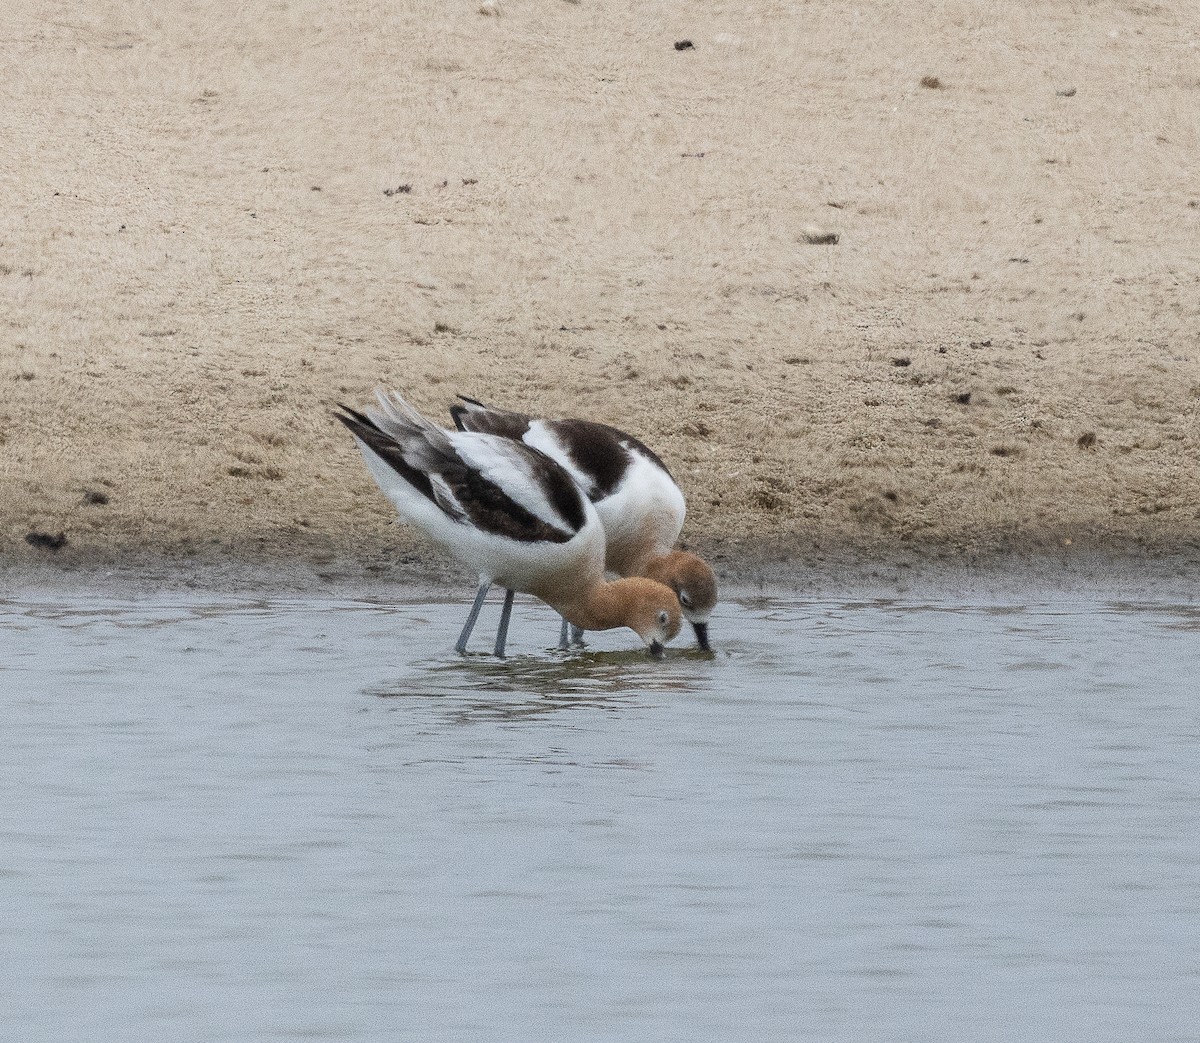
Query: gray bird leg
[562, 635]
[461, 647]
[576, 635]
[505, 614]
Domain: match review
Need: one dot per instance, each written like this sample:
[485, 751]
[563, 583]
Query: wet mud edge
[776, 568]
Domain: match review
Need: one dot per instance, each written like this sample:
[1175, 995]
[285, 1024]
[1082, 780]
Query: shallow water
[878, 821]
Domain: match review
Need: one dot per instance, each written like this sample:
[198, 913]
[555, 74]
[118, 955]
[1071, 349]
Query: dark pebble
[45, 540]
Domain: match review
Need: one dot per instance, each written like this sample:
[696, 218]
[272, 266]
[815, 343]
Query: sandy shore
[217, 225]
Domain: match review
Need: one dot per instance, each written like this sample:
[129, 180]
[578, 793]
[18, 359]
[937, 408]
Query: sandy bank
[218, 224]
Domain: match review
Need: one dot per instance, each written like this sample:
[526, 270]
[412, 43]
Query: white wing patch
[643, 515]
[503, 462]
[541, 438]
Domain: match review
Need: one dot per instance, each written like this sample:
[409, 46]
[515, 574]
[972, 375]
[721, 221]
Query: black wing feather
[489, 420]
[601, 452]
[486, 505]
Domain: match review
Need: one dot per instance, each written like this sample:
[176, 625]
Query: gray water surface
[240, 820]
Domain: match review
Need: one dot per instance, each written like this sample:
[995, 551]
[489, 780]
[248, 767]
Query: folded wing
[496, 485]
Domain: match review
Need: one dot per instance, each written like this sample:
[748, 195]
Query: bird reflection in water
[530, 686]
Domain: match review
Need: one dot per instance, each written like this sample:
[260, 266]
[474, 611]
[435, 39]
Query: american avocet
[640, 505]
[510, 513]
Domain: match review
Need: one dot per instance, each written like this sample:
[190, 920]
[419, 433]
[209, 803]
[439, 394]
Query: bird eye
[684, 599]
[662, 618]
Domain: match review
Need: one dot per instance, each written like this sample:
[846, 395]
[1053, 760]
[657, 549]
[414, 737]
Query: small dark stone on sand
[815, 236]
[903, 360]
[684, 45]
[45, 540]
[931, 83]
[95, 497]
[401, 190]
[1086, 440]
[963, 399]
[1066, 92]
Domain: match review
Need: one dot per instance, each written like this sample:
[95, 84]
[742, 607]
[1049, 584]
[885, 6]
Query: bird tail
[460, 413]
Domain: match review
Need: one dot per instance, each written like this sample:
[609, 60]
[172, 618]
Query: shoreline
[780, 569]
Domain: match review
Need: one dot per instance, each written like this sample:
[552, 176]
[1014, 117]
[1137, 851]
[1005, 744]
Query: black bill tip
[657, 651]
[702, 636]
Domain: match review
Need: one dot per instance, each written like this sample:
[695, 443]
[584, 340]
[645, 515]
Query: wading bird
[640, 505]
[513, 515]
